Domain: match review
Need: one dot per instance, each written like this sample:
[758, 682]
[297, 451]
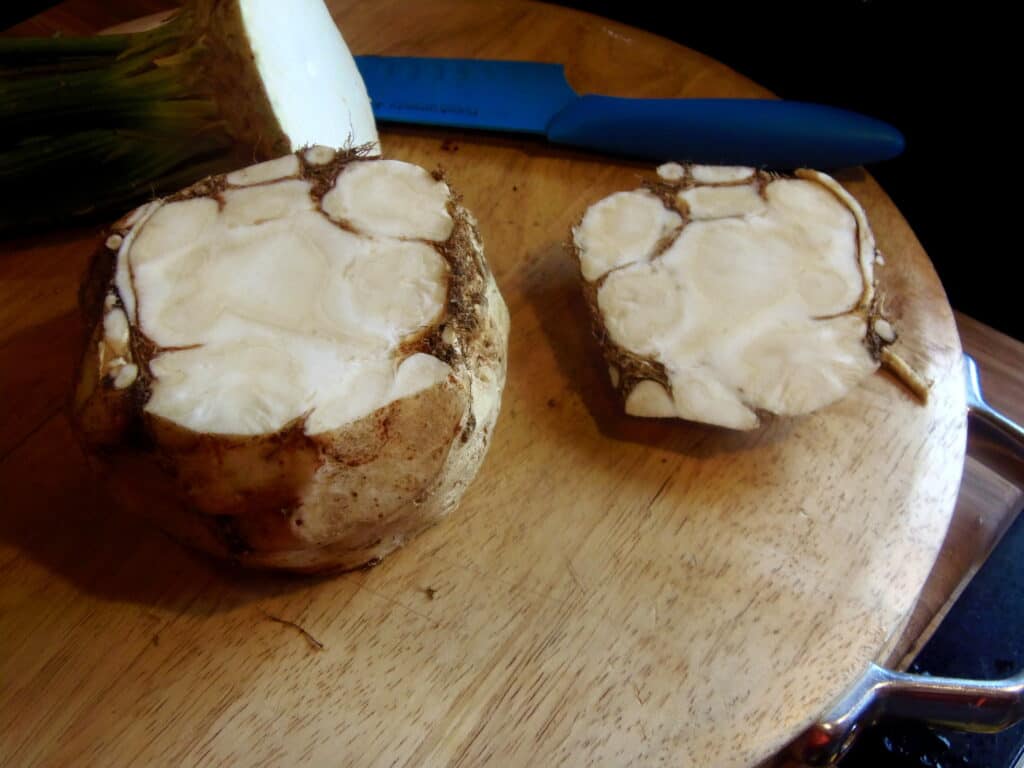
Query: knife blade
[535, 98]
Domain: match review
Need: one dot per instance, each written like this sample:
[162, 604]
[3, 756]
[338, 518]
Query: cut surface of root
[309, 77]
[268, 305]
[721, 292]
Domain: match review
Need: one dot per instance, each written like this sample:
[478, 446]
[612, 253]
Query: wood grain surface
[612, 591]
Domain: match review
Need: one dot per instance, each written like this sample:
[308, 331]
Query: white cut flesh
[266, 310]
[752, 293]
[310, 78]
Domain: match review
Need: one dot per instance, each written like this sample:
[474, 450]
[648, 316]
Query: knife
[535, 98]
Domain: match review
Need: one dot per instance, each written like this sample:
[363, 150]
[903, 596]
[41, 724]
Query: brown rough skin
[337, 500]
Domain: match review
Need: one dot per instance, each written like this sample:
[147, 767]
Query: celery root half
[719, 294]
[297, 365]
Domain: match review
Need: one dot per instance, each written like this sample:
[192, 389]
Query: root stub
[719, 293]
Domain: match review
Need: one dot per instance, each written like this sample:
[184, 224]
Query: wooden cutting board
[612, 591]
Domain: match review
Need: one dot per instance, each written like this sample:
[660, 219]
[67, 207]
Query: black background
[946, 74]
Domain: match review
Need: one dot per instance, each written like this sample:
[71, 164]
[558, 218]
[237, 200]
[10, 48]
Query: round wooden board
[612, 591]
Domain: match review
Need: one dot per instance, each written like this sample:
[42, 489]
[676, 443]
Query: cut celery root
[124, 117]
[297, 365]
[721, 293]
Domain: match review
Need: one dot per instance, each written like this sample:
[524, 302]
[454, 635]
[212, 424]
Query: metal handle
[980, 411]
[967, 705]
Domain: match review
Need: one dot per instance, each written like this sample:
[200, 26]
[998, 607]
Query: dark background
[946, 74]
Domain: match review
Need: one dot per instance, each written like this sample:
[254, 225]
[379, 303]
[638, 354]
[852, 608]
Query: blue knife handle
[758, 132]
